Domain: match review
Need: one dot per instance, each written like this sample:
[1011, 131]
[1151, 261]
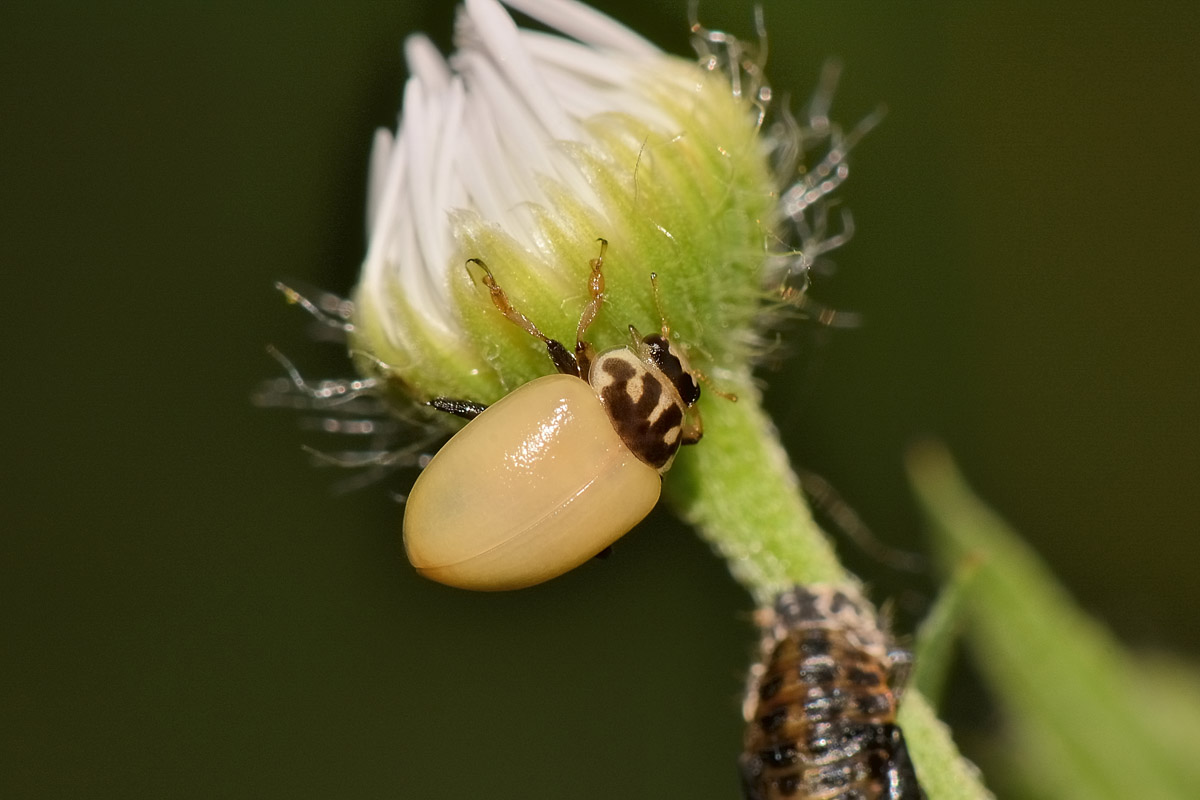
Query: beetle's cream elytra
[533, 487]
[558, 470]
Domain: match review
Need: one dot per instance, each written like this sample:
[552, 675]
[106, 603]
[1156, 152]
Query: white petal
[585, 24]
[426, 63]
[377, 171]
[498, 35]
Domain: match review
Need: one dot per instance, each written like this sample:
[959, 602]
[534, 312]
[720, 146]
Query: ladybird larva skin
[821, 706]
[534, 486]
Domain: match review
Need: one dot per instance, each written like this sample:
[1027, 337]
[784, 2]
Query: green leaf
[1085, 719]
[939, 632]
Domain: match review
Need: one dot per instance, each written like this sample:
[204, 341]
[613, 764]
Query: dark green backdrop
[187, 611]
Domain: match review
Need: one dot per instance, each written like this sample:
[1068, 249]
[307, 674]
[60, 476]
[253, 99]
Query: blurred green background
[188, 610]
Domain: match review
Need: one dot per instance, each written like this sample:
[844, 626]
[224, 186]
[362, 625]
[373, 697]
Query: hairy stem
[740, 492]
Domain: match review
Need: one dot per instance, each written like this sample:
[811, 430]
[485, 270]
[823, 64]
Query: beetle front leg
[564, 360]
[583, 348]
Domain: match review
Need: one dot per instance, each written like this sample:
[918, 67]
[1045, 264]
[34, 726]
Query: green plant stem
[738, 489]
[944, 774]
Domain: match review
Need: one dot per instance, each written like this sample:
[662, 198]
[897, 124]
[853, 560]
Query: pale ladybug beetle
[558, 470]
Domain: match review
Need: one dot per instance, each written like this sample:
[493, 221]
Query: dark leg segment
[459, 408]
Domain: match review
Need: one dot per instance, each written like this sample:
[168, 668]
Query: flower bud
[522, 150]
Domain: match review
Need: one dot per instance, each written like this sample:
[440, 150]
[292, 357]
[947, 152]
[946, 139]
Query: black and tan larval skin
[820, 706]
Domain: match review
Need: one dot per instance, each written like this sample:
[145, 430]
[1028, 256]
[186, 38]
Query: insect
[821, 708]
[559, 469]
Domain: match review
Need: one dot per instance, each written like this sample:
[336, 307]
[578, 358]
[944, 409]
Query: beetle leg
[564, 362]
[596, 290]
[584, 352]
[504, 305]
[459, 408]
[693, 428]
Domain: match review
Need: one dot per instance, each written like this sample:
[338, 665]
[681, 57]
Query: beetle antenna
[712, 387]
[662, 315]
[666, 334]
